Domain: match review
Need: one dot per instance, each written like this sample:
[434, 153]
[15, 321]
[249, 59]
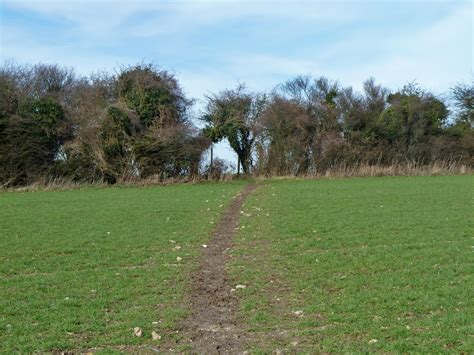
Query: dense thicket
[136, 124]
[127, 126]
[309, 125]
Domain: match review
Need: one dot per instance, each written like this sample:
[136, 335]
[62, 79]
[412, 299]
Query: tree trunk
[245, 166]
[212, 162]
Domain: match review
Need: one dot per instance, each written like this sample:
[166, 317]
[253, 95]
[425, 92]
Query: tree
[463, 96]
[320, 100]
[154, 95]
[413, 117]
[30, 141]
[33, 122]
[283, 136]
[164, 141]
[457, 141]
[84, 158]
[233, 114]
[136, 124]
[133, 125]
[360, 116]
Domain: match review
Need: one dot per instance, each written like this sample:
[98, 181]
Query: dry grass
[66, 184]
[52, 185]
[405, 169]
[157, 180]
[336, 172]
[399, 169]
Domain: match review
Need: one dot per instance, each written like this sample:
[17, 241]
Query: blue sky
[212, 45]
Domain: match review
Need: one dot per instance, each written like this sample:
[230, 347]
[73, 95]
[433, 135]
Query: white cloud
[105, 16]
[97, 17]
[437, 56]
[21, 48]
[183, 16]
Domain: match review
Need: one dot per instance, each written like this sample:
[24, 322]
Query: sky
[213, 45]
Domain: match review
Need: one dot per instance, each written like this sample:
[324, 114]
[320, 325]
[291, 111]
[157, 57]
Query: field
[365, 264]
[81, 268]
[346, 265]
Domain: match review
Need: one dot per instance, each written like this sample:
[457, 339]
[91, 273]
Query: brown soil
[212, 326]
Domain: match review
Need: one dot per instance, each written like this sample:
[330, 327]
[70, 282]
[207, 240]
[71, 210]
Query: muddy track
[212, 326]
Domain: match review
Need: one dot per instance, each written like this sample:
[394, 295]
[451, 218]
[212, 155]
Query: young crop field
[345, 265]
[81, 269]
[365, 264]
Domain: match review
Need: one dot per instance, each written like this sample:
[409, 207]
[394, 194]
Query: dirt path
[212, 326]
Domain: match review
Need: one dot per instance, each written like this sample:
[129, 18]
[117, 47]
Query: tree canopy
[137, 123]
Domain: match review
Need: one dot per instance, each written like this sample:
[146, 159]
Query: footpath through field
[212, 326]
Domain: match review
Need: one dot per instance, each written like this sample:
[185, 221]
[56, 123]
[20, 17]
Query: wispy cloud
[212, 44]
[178, 17]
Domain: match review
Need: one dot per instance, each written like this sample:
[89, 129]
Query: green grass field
[82, 268]
[366, 264]
[348, 265]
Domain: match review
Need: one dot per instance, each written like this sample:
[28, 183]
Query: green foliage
[410, 122]
[331, 97]
[121, 120]
[30, 140]
[463, 96]
[144, 131]
[26, 150]
[168, 153]
[115, 133]
[45, 111]
[232, 114]
[154, 96]
[8, 98]
[213, 133]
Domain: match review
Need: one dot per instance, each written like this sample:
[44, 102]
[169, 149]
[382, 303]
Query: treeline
[136, 124]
